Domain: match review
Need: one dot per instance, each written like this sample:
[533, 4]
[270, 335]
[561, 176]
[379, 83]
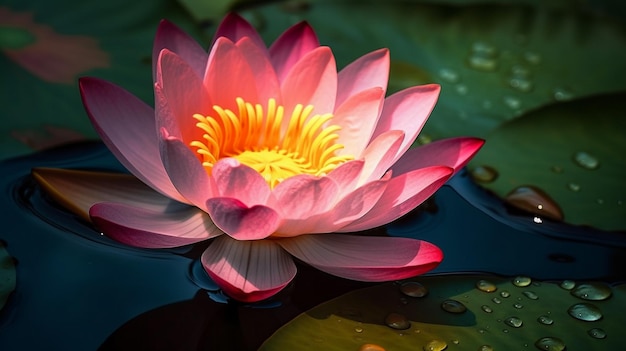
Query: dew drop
[545, 320]
[371, 347]
[435, 345]
[485, 49]
[532, 57]
[550, 343]
[535, 201]
[521, 84]
[522, 281]
[461, 89]
[560, 94]
[518, 306]
[481, 63]
[531, 295]
[453, 306]
[514, 322]
[586, 160]
[573, 187]
[585, 312]
[496, 300]
[485, 348]
[512, 102]
[592, 291]
[413, 289]
[397, 321]
[597, 333]
[486, 286]
[358, 329]
[505, 294]
[484, 174]
[486, 309]
[449, 75]
[568, 284]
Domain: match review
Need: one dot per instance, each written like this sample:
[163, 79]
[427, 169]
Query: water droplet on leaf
[535, 201]
[453, 306]
[597, 333]
[573, 187]
[586, 160]
[585, 312]
[518, 306]
[486, 309]
[531, 295]
[435, 345]
[449, 75]
[512, 102]
[550, 343]
[561, 94]
[485, 348]
[397, 321]
[486, 286]
[568, 284]
[545, 320]
[413, 289]
[592, 291]
[514, 322]
[505, 293]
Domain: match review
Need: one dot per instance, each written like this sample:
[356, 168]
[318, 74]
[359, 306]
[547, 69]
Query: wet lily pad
[7, 275]
[494, 62]
[460, 312]
[572, 151]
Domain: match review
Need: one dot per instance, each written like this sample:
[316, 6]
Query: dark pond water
[77, 290]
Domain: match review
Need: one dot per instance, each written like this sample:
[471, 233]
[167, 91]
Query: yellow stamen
[307, 146]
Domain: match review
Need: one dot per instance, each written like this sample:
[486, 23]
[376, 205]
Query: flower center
[258, 139]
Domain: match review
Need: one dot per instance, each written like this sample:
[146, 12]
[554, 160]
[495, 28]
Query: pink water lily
[269, 152]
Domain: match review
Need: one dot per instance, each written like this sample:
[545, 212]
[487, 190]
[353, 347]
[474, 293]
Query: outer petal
[229, 76]
[365, 258]
[407, 110]
[452, 152]
[368, 71]
[79, 190]
[403, 194]
[291, 46]
[153, 229]
[127, 127]
[169, 36]
[186, 172]
[235, 27]
[242, 222]
[379, 155]
[304, 196]
[179, 94]
[357, 117]
[248, 271]
[312, 81]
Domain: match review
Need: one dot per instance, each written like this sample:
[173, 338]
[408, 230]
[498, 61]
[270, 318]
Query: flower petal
[236, 180]
[267, 85]
[312, 81]
[234, 27]
[407, 110]
[368, 71]
[451, 152]
[346, 176]
[152, 229]
[379, 155]
[291, 46]
[304, 196]
[186, 172]
[365, 258]
[357, 117]
[404, 193]
[248, 271]
[127, 127]
[169, 36]
[179, 94]
[242, 222]
[229, 76]
[79, 190]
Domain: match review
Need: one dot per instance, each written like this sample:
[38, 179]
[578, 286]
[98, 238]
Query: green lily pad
[108, 39]
[7, 275]
[494, 62]
[573, 151]
[462, 312]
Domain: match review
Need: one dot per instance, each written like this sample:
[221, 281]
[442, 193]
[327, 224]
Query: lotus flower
[271, 153]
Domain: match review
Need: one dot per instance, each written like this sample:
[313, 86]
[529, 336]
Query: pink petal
[179, 94]
[79, 190]
[242, 222]
[304, 196]
[127, 127]
[356, 204]
[451, 152]
[407, 111]
[365, 258]
[357, 117]
[267, 85]
[248, 271]
[311, 81]
[152, 229]
[171, 37]
[236, 180]
[291, 46]
[186, 172]
[368, 71]
[404, 193]
[346, 176]
[229, 76]
[379, 155]
[235, 27]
